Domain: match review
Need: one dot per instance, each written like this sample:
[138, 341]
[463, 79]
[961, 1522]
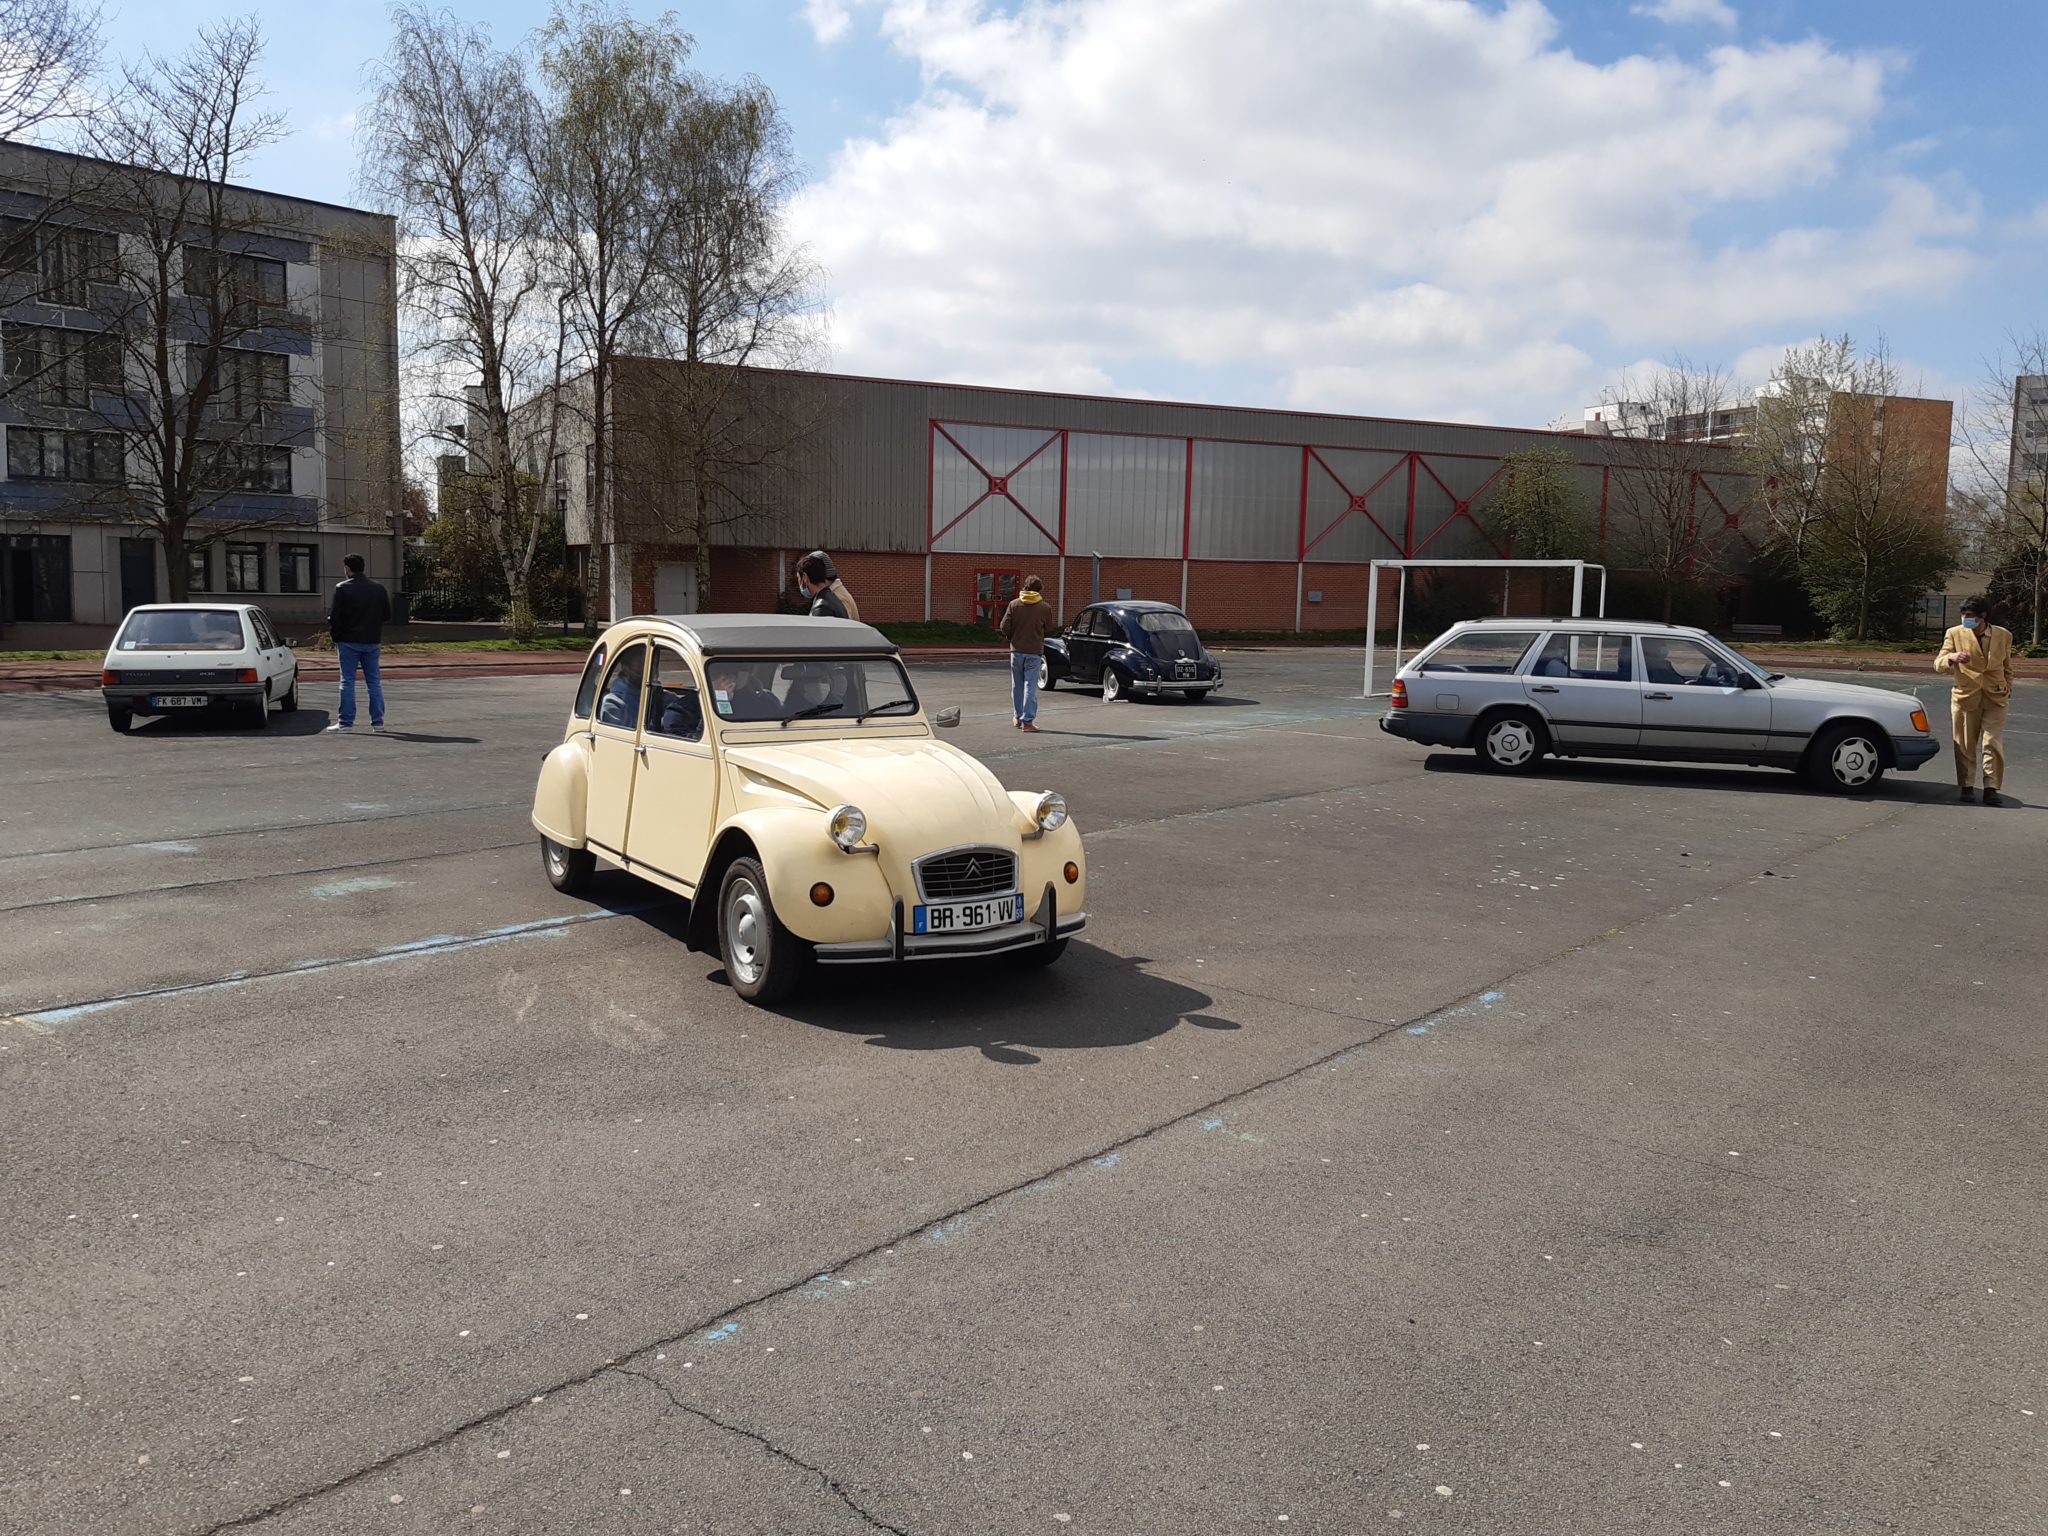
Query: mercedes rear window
[181, 629]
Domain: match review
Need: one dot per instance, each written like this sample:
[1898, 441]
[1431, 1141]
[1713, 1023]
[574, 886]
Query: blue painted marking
[720, 1335]
[440, 944]
[1212, 1125]
[1478, 1005]
[1109, 1161]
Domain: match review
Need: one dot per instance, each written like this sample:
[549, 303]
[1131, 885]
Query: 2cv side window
[675, 708]
[586, 691]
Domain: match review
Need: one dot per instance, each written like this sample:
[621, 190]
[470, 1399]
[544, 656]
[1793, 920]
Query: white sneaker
[377, 730]
[337, 726]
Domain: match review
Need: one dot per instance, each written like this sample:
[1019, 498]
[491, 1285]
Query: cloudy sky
[1478, 210]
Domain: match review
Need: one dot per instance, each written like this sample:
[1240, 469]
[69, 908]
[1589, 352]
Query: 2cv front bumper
[1044, 926]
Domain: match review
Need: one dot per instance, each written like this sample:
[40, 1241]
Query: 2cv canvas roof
[774, 634]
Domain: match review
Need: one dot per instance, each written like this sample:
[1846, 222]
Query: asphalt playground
[1619, 1149]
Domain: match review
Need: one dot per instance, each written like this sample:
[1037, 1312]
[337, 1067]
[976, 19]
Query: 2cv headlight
[848, 824]
[1051, 811]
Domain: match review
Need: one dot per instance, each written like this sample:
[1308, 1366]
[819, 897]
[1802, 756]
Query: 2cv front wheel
[764, 961]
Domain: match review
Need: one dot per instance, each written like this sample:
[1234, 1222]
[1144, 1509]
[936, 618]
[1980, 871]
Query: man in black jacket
[814, 572]
[360, 610]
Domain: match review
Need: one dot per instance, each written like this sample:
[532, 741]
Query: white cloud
[1681, 13]
[1420, 207]
[828, 19]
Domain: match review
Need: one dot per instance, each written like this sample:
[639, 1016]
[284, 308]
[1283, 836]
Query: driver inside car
[736, 696]
[1657, 663]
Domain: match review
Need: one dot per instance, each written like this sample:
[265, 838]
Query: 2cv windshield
[788, 689]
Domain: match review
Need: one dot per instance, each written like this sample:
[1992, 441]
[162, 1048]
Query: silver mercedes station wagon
[1515, 689]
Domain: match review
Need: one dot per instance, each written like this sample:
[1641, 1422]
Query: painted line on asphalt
[43, 1021]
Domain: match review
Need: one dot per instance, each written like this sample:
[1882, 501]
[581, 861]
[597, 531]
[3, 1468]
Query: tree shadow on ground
[1090, 1000]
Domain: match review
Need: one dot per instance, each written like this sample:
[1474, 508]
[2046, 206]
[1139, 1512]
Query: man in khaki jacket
[1026, 622]
[1979, 653]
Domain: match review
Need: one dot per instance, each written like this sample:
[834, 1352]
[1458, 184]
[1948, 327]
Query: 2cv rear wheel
[764, 961]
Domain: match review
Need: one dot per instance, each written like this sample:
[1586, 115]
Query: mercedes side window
[675, 708]
[618, 703]
[586, 691]
[1586, 658]
[1480, 650]
[1673, 661]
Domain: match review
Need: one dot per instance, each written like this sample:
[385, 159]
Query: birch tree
[1656, 515]
[445, 147]
[2004, 442]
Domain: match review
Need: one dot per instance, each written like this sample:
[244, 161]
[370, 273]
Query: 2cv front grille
[961, 874]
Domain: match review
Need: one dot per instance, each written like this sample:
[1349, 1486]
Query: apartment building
[301, 463]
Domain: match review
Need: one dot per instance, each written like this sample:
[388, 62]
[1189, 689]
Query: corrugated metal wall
[887, 478]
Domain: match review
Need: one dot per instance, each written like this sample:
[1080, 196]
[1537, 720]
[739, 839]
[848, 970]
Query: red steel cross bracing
[999, 485]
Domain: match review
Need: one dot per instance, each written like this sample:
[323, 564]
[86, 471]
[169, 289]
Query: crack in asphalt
[279, 874]
[831, 1483]
[282, 826]
[297, 1162]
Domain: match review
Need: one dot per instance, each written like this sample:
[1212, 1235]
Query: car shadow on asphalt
[1754, 781]
[466, 741]
[208, 722]
[1090, 1000]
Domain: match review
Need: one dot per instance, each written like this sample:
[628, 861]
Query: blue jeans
[1024, 686]
[369, 658]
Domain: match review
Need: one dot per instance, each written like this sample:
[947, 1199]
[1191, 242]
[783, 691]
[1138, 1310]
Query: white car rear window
[181, 629]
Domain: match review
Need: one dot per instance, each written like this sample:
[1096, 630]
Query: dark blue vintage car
[1131, 648]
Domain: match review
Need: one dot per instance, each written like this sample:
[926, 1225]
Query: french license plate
[177, 701]
[1184, 669]
[967, 916]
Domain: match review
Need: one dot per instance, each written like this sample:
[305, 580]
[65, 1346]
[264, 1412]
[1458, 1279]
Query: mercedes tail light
[1400, 698]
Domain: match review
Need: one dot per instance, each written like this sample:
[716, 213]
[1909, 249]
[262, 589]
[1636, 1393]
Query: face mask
[1974, 623]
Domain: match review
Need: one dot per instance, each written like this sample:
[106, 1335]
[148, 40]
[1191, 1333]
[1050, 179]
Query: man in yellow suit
[1979, 653]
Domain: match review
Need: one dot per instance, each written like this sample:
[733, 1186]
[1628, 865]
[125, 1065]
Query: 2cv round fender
[562, 796]
[796, 852]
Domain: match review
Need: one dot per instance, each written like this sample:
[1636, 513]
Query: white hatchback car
[171, 658]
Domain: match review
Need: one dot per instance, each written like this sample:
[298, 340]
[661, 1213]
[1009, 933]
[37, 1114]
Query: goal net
[1507, 568]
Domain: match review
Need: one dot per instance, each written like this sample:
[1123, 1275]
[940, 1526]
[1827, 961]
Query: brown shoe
[1992, 796]
[1967, 794]
[1028, 726]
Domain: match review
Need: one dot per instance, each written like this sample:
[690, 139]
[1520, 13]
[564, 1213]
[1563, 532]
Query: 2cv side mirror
[947, 718]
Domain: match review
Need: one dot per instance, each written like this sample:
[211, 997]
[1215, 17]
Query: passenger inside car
[737, 696]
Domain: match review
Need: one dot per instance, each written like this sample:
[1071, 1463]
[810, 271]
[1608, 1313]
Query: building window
[199, 567]
[89, 457]
[61, 261]
[234, 277]
[244, 381]
[244, 567]
[49, 365]
[261, 467]
[298, 567]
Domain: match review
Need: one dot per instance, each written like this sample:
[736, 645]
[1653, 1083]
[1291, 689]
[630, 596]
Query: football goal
[1578, 568]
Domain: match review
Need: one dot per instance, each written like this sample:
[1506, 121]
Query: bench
[1759, 631]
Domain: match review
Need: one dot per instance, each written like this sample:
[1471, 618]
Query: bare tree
[48, 48]
[1658, 517]
[184, 403]
[614, 94]
[732, 301]
[444, 145]
[1855, 483]
[2004, 439]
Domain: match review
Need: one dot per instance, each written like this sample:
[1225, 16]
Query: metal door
[1693, 705]
[1584, 682]
[675, 587]
[675, 786]
[614, 740]
[138, 573]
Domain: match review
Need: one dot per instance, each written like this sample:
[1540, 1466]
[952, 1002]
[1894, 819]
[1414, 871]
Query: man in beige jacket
[1979, 653]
